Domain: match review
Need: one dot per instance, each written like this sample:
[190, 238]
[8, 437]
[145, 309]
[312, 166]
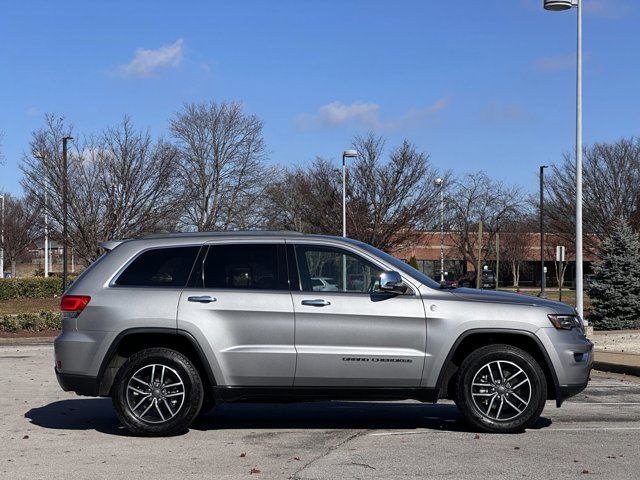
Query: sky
[479, 85]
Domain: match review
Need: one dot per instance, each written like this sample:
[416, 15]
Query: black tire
[173, 411]
[492, 404]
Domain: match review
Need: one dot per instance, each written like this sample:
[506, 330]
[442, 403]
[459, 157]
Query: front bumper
[566, 391]
[81, 384]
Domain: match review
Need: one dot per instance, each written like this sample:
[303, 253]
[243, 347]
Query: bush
[32, 322]
[31, 287]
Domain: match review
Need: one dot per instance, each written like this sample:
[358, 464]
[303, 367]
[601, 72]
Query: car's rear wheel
[157, 392]
[501, 389]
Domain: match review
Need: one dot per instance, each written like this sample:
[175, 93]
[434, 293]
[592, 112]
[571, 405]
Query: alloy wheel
[501, 390]
[155, 393]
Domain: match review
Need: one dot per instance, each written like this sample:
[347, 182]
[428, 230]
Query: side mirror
[391, 282]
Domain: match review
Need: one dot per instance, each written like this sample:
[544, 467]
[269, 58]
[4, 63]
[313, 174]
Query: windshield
[401, 266]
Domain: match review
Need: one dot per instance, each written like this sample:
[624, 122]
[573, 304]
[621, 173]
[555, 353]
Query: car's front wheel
[157, 392]
[501, 389]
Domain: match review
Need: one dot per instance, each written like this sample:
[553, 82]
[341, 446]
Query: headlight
[566, 322]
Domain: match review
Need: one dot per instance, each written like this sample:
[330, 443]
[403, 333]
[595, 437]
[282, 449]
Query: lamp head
[558, 5]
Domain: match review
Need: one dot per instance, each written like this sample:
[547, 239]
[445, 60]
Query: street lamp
[543, 277]
[440, 184]
[346, 154]
[65, 279]
[40, 156]
[557, 5]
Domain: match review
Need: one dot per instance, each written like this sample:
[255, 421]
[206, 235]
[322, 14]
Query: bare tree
[474, 198]
[516, 245]
[121, 183]
[306, 199]
[19, 229]
[222, 173]
[611, 175]
[388, 202]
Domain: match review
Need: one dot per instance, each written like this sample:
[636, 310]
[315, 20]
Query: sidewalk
[617, 351]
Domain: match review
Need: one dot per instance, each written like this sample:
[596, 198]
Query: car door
[348, 334]
[238, 306]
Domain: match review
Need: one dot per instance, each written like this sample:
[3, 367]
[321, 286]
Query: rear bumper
[81, 384]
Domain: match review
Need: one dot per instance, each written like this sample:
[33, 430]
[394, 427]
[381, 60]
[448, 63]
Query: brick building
[426, 251]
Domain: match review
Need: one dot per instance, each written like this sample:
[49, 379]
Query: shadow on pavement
[78, 414]
[97, 414]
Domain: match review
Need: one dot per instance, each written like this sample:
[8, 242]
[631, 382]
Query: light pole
[65, 278]
[556, 5]
[440, 184]
[40, 156]
[543, 277]
[346, 154]
[2, 241]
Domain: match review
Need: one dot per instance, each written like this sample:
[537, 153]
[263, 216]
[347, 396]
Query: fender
[525, 333]
[154, 330]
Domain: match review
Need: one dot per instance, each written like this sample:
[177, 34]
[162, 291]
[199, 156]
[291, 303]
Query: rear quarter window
[160, 267]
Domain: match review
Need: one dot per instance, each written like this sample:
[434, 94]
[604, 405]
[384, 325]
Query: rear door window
[160, 267]
[246, 267]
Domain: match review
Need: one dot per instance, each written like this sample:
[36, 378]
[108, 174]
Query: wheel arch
[473, 339]
[133, 340]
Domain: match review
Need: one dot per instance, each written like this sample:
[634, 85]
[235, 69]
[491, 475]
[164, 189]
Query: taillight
[74, 303]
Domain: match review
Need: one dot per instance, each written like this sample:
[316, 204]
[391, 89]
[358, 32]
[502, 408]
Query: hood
[489, 296]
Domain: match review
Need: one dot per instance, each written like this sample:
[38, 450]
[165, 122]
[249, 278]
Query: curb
[626, 363]
[18, 341]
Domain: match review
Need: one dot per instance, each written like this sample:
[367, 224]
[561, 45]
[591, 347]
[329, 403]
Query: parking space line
[547, 429]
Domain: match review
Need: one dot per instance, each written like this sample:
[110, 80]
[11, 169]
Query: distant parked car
[324, 284]
[468, 280]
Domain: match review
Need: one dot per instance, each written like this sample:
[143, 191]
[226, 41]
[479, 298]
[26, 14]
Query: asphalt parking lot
[47, 433]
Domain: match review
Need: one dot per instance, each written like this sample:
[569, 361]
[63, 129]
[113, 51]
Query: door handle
[318, 302]
[201, 299]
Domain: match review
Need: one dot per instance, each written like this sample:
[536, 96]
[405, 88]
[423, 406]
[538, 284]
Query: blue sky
[478, 84]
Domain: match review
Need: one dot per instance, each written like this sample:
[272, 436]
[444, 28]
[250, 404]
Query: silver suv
[169, 326]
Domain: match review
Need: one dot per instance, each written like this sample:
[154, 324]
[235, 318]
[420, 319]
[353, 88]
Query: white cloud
[505, 112]
[555, 63]
[146, 62]
[365, 114]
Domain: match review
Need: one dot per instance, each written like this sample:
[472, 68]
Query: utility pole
[65, 240]
[543, 277]
[479, 266]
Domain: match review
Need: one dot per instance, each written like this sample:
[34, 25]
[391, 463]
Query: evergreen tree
[413, 262]
[616, 293]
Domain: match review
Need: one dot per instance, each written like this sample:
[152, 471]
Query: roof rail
[224, 233]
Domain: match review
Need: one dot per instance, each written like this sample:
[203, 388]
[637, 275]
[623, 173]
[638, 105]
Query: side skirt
[311, 394]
